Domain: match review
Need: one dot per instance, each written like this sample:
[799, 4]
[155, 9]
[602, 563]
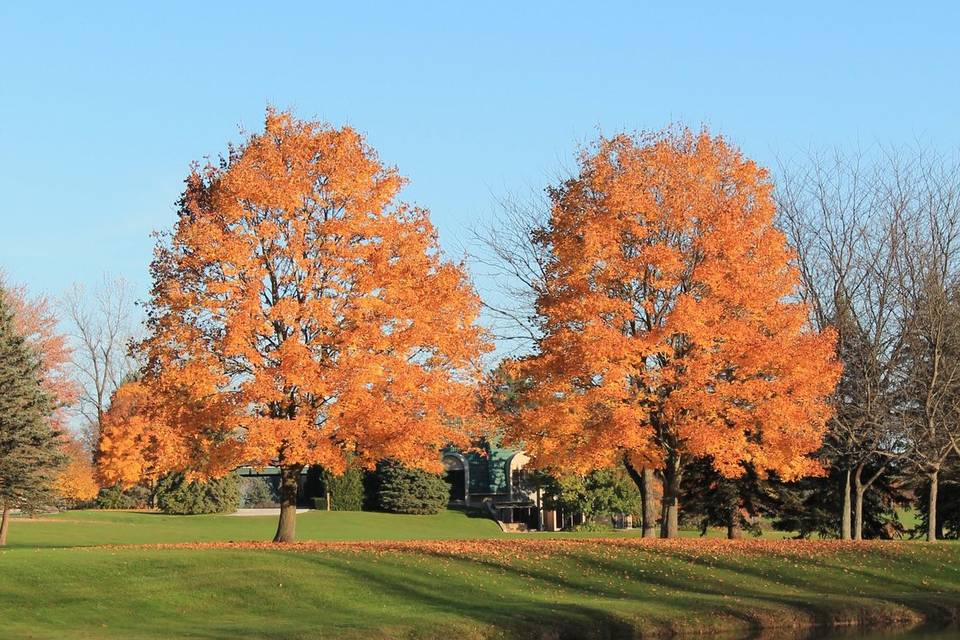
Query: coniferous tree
[30, 452]
[711, 500]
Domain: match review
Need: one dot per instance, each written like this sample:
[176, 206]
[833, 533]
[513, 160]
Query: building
[492, 477]
[487, 477]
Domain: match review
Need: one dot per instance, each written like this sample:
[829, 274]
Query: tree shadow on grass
[830, 598]
[514, 616]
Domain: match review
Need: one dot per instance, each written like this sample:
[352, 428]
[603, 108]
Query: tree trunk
[649, 513]
[4, 523]
[644, 481]
[845, 516]
[858, 514]
[669, 512]
[287, 527]
[734, 532]
[859, 490]
[932, 506]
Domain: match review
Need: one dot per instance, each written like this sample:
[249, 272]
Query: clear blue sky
[102, 109]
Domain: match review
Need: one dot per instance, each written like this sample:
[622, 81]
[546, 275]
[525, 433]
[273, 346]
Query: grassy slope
[591, 588]
[503, 586]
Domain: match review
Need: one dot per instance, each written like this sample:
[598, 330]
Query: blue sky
[102, 108]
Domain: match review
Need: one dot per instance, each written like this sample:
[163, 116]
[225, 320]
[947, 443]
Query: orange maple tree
[132, 441]
[76, 482]
[300, 315]
[669, 323]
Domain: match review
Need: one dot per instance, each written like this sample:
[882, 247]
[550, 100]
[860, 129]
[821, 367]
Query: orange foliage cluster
[129, 443]
[668, 322]
[299, 315]
[76, 481]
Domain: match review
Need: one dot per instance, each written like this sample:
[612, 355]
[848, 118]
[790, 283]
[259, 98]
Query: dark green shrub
[258, 493]
[136, 497]
[405, 490]
[177, 496]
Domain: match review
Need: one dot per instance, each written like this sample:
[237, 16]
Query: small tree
[30, 452]
[119, 497]
[599, 493]
[76, 483]
[346, 490]
[733, 503]
[409, 490]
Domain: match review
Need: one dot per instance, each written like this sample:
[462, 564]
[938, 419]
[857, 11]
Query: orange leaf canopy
[299, 315]
[667, 319]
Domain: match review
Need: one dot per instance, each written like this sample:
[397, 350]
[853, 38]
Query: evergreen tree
[30, 452]
[813, 506]
[409, 490]
[711, 500]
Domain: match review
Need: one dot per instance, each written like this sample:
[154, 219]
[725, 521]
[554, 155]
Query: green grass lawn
[88, 528]
[472, 582]
[85, 528]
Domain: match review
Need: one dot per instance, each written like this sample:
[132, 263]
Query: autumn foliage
[299, 315]
[76, 481]
[35, 319]
[669, 329]
[131, 444]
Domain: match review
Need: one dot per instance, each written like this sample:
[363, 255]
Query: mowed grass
[90, 528]
[87, 528]
[516, 588]
[58, 579]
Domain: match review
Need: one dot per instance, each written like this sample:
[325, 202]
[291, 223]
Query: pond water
[921, 633]
[910, 634]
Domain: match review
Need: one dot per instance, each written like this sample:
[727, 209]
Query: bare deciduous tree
[507, 255]
[930, 292]
[846, 221]
[102, 328]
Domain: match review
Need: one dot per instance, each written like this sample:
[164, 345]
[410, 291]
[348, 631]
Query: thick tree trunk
[4, 523]
[859, 490]
[734, 532]
[287, 527]
[858, 514]
[669, 512]
[932, 506]
[649, 513]
[845, 516]
[644, 481]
